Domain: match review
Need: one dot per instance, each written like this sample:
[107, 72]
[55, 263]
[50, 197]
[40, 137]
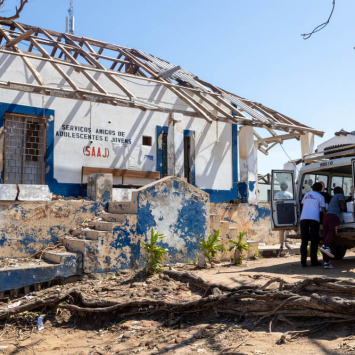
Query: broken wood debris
[275, 301]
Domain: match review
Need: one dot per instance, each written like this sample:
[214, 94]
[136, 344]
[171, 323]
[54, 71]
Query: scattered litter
[40, 325]
[120, 336]
[136, 327]
[3, 347]
[14, 305]
[28, 297]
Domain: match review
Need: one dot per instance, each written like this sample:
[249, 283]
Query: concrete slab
[15, 278]
[93, 234]
[100, 187]
[34, 193]
[122, 207]
[272, 251]
[103, 226]
[122, 195]
[8, 192]
[113, 217]
[57, 258]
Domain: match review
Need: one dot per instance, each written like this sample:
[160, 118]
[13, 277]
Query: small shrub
[209, 248]
[238, 246]
[155, 253]
[309, 250]
[257, 255]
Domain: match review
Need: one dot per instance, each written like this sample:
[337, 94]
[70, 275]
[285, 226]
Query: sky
[252, 48]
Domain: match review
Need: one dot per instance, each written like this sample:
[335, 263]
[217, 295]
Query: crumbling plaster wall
[171, 206]
[254, 219]
[178, 210]
[27, 226]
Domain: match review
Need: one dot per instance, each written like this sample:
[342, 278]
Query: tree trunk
[202, 261]
[148, 263]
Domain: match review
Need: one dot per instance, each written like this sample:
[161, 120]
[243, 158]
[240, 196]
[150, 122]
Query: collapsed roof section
[88, 57]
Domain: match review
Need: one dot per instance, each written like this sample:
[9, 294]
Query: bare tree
[18, 10]
[319, 27]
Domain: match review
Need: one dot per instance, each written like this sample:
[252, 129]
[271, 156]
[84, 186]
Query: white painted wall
[337, 140]
[213, 157]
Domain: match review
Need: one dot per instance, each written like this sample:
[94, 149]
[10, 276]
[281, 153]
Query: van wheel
[339, 252]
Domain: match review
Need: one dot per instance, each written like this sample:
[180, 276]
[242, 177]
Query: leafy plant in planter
[239, 246]
[209, 248]
[155, 253]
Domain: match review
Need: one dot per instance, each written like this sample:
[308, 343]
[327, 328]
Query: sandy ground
[65, 333]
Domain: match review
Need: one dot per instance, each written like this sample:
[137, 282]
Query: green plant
[257, 255]
[209, 248]
[155, 253]
[309, 250]
[239, 246]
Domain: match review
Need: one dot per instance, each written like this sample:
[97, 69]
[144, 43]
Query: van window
[310, 179]
[343, 182]
[283, 186]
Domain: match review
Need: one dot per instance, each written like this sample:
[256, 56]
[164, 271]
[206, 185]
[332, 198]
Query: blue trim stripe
[165, 129]
[160, 130]
[188, 133]
[33, 111]
[57, 188]
[219, 196]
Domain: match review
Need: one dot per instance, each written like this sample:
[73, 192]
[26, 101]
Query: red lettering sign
[91, 151]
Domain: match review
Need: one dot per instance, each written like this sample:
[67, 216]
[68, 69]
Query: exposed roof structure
[88, 57]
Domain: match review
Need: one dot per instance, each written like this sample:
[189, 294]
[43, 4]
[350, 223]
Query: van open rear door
[283, 199]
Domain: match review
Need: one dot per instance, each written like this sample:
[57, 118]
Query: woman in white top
[312, 202]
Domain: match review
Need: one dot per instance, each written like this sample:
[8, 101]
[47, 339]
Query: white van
[333, 167]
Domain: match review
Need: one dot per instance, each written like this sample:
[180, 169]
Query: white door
[283, 200]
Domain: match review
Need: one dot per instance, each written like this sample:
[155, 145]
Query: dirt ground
[209, 333]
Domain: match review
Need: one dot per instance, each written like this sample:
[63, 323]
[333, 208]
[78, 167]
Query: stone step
[77, 245]
[113, 217]
[103, 226]
[122, 207]
[93, 234]
[57, 258]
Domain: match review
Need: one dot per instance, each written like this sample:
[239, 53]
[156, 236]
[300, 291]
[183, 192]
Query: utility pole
[70, 19]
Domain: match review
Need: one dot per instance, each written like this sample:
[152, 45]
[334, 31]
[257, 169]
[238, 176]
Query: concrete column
[100, 187]
[307, 143]
[248, 166]
[175, 146]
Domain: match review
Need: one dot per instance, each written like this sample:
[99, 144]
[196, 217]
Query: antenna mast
[70, 19]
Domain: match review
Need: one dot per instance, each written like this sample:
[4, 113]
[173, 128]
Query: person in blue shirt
[331, 221]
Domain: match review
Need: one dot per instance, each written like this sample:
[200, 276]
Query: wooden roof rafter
[118, 63]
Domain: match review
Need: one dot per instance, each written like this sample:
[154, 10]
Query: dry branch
[275, 304]
[17, 13]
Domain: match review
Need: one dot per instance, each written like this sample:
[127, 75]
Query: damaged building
[126, 137]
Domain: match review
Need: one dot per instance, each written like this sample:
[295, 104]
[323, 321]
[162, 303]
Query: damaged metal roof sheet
[117, 63]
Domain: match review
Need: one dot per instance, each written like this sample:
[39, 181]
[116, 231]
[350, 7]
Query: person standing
[331, 221]
[312, 202]
[283, 195]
